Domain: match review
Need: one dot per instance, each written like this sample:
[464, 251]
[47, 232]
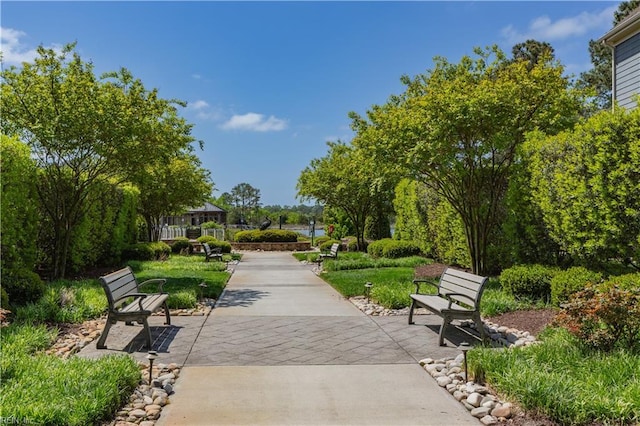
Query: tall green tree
[169, 189]
[81, 130]
[345, 180]
[246, 201]
[598, 78]
[456, 129]
[587, 184]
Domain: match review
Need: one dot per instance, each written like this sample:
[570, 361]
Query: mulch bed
[533, 321]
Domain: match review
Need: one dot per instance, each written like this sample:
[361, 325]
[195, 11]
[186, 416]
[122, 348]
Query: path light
[151, 355]
[202, 286]
[464, 347]
[367, 290]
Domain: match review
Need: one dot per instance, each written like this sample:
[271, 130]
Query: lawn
[36, 388]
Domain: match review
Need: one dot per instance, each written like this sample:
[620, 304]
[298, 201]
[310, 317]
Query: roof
[626, 28]
[208, 207]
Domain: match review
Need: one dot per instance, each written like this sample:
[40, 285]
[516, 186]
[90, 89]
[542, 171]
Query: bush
[267, 236]
[22, 286]
[604, 317]
[565, 283]
[393, 249]
[224, 246]
[624, 282]
[182, 245]
[528, 281]
[4, 298]
[322, 239]
[147, 251]
[326, 246]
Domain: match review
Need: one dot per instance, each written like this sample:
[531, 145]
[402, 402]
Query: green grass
[184, 275]
[44, 389]
[564, 381]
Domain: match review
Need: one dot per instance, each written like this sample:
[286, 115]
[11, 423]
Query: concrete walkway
[282, 347]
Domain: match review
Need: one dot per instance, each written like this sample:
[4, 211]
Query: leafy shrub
[268, 236]
[326, 246]
[211, 225]
[352, 244]
[393, 249]
[147, 251]
[565, 283]
[4, 298]
[528, 281]
[322, 239]
[206, 239]
[624, 282]
[22, 286]
[604, 317]
[393, 295]
[181, 245]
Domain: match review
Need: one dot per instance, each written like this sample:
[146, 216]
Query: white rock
[488, 420]
[480, 412]
[443, 381]
[474, 399]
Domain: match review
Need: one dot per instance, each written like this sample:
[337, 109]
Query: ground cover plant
[44, 389]
[565, 380]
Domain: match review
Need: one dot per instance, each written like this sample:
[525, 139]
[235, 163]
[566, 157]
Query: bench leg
[103, 335]
[166, 313]
[147, 332]
[413, 306]
[445, 321]
[480, 327]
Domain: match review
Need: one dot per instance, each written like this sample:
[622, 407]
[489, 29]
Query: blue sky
[268, 83]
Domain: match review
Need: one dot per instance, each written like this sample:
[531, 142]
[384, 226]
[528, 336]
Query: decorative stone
[488, 420]
[426, 361]
[443, 381]
[474, 399]
[480, 412]
[458, 395]
[138, 413]
[502, 411]
[168, 388]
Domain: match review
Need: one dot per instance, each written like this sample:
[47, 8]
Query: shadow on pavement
[242, 297]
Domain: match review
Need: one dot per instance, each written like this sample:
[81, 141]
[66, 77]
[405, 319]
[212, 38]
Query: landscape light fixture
[151, 355]
[367, 290]
[464, 347]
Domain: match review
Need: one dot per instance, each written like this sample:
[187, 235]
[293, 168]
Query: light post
[151, 355]
[312, 228]
[464, 347]
[367, 290]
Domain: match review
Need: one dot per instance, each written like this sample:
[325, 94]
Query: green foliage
[146, 251]
[4, 298]
[392, 295]
[22, 286]
[565, 283]
[352, 243]
[558, 379]
[351, 282]
[182, 245]
[457, 127]
[624, 282]
[65, 302]
[412, 222]
[322, 239]
[326, 246]
[211, 225]
[269, 236]
[359, 260]
[18, 206]
[528, 281]
[585, 182]
[224, 246]
[393, 249]
[604, 317]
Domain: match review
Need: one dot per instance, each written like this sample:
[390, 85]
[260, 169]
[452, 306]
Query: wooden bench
[331, 254]
[212, 253]
[121, 286]
[458, 297]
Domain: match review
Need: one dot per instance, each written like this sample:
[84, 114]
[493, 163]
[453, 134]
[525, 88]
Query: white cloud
[544, 29]
[255, 122]
[12, 50]
[204, 111]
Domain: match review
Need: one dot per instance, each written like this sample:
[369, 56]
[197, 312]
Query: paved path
[282, 347]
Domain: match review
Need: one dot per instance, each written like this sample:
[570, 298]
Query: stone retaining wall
[296, 246]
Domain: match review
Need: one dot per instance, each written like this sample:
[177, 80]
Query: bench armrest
[160, 281]
[417, 282]
[140, 296]
[448, 296]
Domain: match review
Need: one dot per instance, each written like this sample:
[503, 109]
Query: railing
[173, 232]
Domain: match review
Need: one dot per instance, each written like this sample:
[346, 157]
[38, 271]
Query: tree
[586, 181]
[168, 189]
[598, 78]
[345, 180]
[245, 199]
[456, 129]
[532, 51]
[82, 130]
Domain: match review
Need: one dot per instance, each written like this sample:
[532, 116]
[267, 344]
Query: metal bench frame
[120, 287]
[458, 297]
